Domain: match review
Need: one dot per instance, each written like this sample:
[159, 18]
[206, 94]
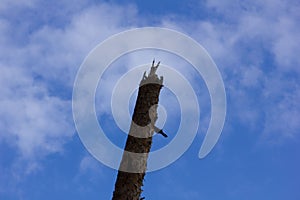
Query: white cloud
[252, 43]
[286, 46]
[35, 114]
[255, 46]
[37, 120]
[64, 49]
[11, 4]
[282, 109]
[31, 118]
[251, 76]
[270, 24]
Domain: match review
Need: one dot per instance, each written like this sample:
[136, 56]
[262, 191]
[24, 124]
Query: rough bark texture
[128, 184]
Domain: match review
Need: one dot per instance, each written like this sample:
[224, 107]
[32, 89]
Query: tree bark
[133, 166]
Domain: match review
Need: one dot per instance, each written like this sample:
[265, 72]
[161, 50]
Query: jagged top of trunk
[152, 77]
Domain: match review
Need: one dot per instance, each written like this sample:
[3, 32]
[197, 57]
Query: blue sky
[255, 44]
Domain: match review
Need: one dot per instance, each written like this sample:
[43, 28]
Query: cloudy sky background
[255, 44]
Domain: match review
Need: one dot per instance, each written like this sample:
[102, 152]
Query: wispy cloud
[255, 45]
[37, 75]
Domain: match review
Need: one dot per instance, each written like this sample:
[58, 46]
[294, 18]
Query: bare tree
[133, 166]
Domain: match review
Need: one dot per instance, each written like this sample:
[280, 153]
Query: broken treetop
[152, 77]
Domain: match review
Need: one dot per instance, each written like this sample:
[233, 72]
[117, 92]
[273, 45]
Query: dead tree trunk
[134, 161]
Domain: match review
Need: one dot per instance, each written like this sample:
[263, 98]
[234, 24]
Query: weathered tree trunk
[134, 161]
